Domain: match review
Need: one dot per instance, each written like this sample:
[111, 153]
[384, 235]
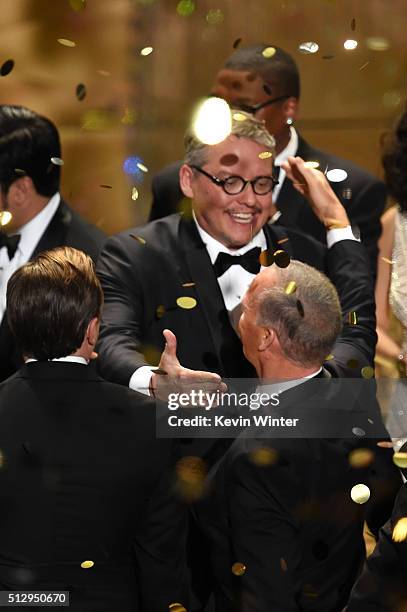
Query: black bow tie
[249, 261]
[10, 242]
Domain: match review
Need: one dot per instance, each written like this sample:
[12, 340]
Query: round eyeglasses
[233, 185]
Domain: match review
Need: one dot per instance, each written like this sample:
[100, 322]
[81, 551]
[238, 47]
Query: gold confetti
[239, 117]
[57, 161]
[263, 456]
[268, 52]
[139, 239]
[350, 44]
[281, 258]
[215, 16]
[361, 458]
[188, 284]
[142, 167]
[66, 42]
[78, 5]
[389, 261]
[291, 288]
[238, 569]
[265, 155]
[308, 47]
[352, 318]
[191, 473]
[5, 217]
[400, 459]
[311, 164]
[363, 66]
[177, 607]
[385, 444]
[352, 363]
[185, 8]
[6, 67]
[360, 493]
[400, 530]
[80, 91]
[266, 259]
[134, 193]
[87, 564]
[367, 372]
[146, 51]
[329, 357]
[282, 240]
[160, 311]
[186, 302]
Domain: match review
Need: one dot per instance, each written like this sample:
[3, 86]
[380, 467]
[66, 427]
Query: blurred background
[87, 65]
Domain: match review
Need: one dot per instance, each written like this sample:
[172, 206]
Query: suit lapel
[56, 231]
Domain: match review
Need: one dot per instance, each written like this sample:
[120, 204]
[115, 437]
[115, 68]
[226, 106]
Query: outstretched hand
[172, 377]
[313, 185]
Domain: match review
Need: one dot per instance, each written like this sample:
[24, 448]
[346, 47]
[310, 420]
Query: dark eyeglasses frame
[256, 107]
[222, 182]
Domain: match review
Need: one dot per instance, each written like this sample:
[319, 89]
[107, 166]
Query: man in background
[264, 80]
[85, 486]
[30, 168]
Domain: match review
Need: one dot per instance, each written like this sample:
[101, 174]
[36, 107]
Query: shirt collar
[290, 149]
[214, 247]
[282, 386]
[68, 359]
[32, 231]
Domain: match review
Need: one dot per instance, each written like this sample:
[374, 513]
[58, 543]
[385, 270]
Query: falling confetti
[361, 458]
[363, 66]
[291, 287]
[81, 92]
[263, 456]
[238, 569]
[267, 89]
[281, 258]
[237, 43]
[212, 122]
[265, 155]
[367, 372]
[329, 357]
[5, 217]
[134, 194]
[160, 311]
[106, 186]
[177, 607]
[385, 444]
[360, 493]
[104, 73]
[146, 51]
[6, 67]
[139, 239]
[359, 432]
[268, 52]
[308, 47]
[266, 259]
[87, 564]
[66, 42]
[352, 318]
[350, 44]
[142, 167]
[185, 8]
[187, 303]
[282, 240]
[215, 16]
[400, 459]
[239, 117]
[336, 175]
[389, 261]
[311, 164]
[400, 530]
[57, 161]
[188, 284]
[377, 43]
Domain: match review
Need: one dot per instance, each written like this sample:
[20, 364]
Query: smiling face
[233, 220]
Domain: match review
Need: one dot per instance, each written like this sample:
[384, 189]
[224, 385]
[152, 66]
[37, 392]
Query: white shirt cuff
[140, 379]
[339, 233]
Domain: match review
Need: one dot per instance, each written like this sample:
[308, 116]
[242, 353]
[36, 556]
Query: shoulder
[169, 174]
[304, 247]
[81, 232]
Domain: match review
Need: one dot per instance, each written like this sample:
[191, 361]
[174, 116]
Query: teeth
[242, 217]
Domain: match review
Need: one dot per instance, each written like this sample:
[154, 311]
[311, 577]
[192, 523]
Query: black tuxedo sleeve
[348, 268]
[382, 586]
[160, 550]
[120, 347]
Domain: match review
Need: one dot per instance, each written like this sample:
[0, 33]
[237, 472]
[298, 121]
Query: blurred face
[233, 220]
[239, 87]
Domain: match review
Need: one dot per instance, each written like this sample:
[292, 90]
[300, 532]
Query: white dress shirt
[67, 359]
[30, 235]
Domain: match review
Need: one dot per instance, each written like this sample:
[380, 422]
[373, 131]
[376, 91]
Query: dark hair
[27, 143]
[50, 302]
[279, 69]
[394, 160]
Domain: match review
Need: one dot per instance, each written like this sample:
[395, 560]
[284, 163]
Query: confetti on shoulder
[188, 284]
[139, 239]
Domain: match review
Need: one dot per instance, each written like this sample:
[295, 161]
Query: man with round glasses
[264, 80]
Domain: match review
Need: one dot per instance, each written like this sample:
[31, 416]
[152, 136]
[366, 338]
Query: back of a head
[279, 70]
[28, 141]
[50, 302]
[307, 320]
[394, 161]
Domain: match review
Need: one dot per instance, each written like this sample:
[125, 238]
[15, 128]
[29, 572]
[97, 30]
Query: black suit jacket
[83, 478]
[66, 228]
[363, 196]
[382, 586]
[167, 262]
[292, 522]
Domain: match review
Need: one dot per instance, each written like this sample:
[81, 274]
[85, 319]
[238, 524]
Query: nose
[248, 196]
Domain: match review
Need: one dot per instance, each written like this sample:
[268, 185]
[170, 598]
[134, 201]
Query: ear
[290, 108]
[267, 339]
[21, 191]
[185, 180]
[92, 331]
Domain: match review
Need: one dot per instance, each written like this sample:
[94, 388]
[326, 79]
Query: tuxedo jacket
[83, 478]
[382, 586]
[65, 229]
[290, 522]
[363, 196]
